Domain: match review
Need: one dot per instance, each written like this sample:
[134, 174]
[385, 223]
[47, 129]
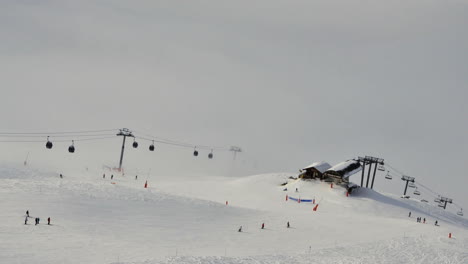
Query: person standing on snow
[287, 225]
[61, 176]
[112, 176]
[409, 215]
[26, 220]
[48, 221]
[263, 225]
[424, 220]
[240, 229]
[27, 213]
[104, 176]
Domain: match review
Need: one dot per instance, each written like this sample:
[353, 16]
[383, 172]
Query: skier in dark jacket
[240, 229]
[287, 225]
[27, 213]
[263, 225]
[48, 221]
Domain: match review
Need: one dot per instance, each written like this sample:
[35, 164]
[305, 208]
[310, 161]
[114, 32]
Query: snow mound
[190, 219]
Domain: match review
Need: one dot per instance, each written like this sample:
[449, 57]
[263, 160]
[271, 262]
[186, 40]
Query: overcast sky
[291, 82]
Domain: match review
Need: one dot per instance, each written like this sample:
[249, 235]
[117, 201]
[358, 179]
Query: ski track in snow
[185, 220]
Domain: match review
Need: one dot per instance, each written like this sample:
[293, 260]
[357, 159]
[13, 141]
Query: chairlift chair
[441, 205]
[437, 200]
[411, 185]
[381, 168]
[388, 176]
[424, 201]
[135, 144]
[416, 192]
[460, 213]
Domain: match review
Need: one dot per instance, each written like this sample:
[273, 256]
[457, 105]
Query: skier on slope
[27, 213]
[26, 220]
[287, 225]
[104, 176]
[409, 215]
[263, 225]
[112, 176]
[48, 221]
[240, 229]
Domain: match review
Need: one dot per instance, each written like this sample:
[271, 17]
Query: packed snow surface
[195, 219]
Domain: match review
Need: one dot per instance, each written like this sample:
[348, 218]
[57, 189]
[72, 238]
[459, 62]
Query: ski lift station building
[315, 170]
[341, 172]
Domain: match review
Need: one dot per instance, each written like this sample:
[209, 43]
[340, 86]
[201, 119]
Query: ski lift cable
[55, 133]
[54, 136]
[434, 194]
[183, 144]
[164, 140]
[160, 138]
[61, 140]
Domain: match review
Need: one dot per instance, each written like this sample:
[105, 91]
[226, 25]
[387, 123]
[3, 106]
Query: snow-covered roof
[347, 168]
[321, 166]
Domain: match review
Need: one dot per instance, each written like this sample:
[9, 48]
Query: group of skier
[263, 226]
[112, 176]
[36, 219]
[423, 220]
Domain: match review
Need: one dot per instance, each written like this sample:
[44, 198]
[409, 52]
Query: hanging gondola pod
[195, 152]
[48, 144]
[210, 156]
[151, 147]
[135, 144]
[71, 148]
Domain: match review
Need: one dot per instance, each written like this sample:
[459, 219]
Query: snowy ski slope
[186, 220]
